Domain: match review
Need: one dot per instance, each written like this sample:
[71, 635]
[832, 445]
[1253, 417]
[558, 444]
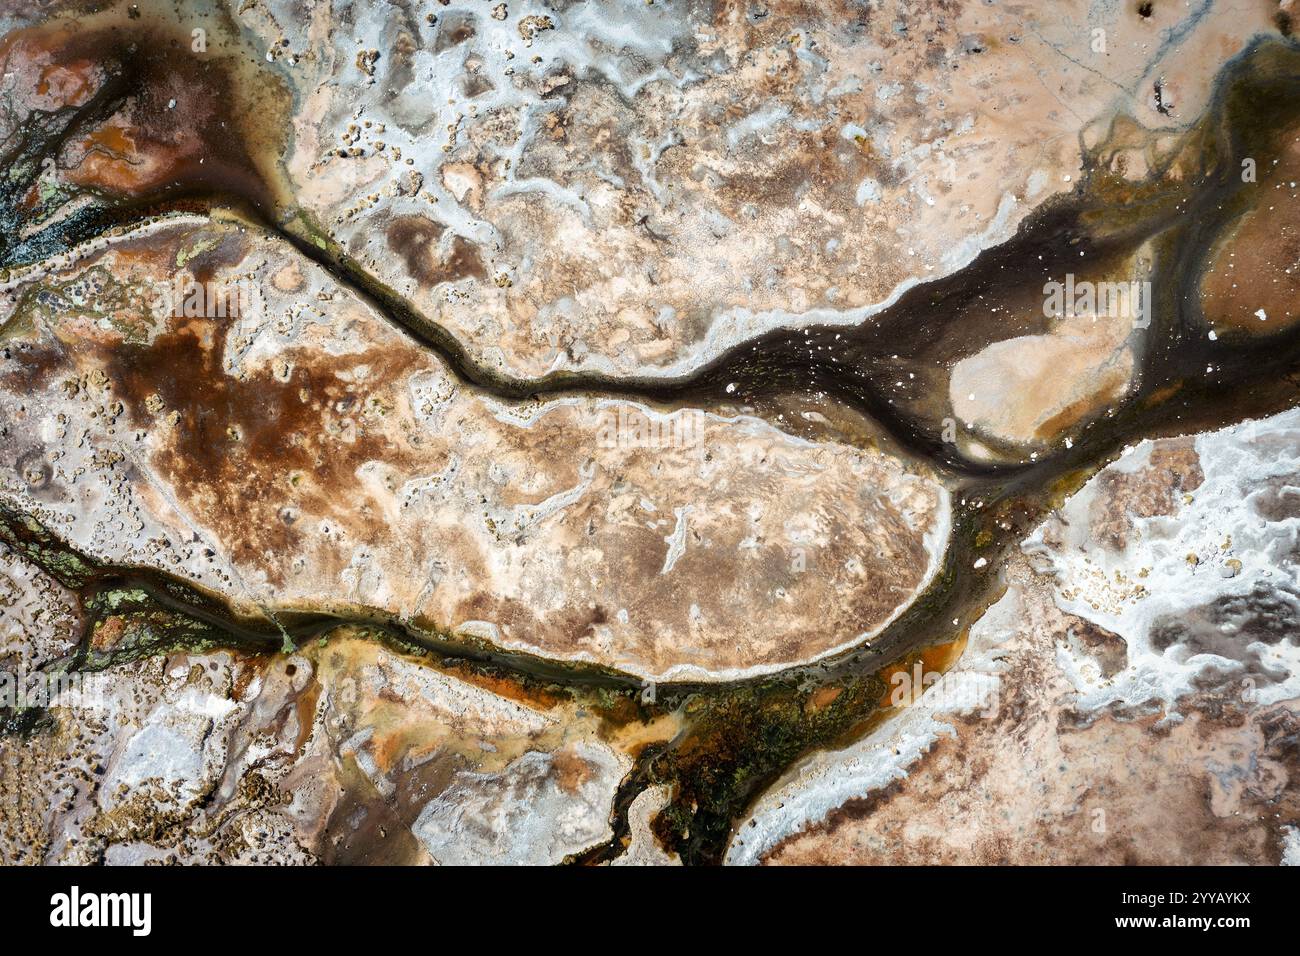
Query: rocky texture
[343, 752]
[632, 188]
[302, 454]
[475, 777]
[1161, 624]
[38, 615]
[268, 265]
[826, 160]
[1190, 549]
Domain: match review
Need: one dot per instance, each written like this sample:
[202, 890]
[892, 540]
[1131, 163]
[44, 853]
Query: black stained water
[887, 375]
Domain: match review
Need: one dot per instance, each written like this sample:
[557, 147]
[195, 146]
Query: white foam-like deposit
[827, 780]
[1153, 578]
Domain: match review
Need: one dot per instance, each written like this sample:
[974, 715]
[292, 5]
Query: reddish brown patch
[935, 659]
[45, 74]
[822, 698]
[1174, 470]
[232, 445]
[571, 771]
[183, 121]
[107, 633]
[510, 689]
[27, 368]
[1256, 267]
[1110, 386]
[1109, 649]
[417, 241]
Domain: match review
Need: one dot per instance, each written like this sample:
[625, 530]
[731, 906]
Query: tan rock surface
[636, 187]
[343, 753]
[1120, 704]
[633, 189]
[1030, 778]
[304, 454]
[1028, 390]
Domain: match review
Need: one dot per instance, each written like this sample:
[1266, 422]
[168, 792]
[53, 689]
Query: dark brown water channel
[887, 376]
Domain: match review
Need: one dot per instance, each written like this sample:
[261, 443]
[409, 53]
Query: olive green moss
[29, 538]
[738, 744]
[25, 723]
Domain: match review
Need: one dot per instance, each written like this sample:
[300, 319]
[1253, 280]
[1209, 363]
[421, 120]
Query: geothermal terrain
[649, 432]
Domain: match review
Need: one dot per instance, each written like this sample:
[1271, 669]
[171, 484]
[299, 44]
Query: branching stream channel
[738, 737]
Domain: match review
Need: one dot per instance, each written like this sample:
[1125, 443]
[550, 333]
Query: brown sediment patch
[1109, 649]
[1166, 819]
[364, 828]
[33, 368]
[571, 771]
[517, 690]
[1252, 281]
[244, 439]
[1277, 500]
[278, 439]
[183, 118]
[418, 241]
[1112, 384]
[1173, 470]
[46, 73]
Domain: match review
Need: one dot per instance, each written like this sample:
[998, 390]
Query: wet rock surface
[648, 433]
[344, 752]
[1130, 699]
[302, 454]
